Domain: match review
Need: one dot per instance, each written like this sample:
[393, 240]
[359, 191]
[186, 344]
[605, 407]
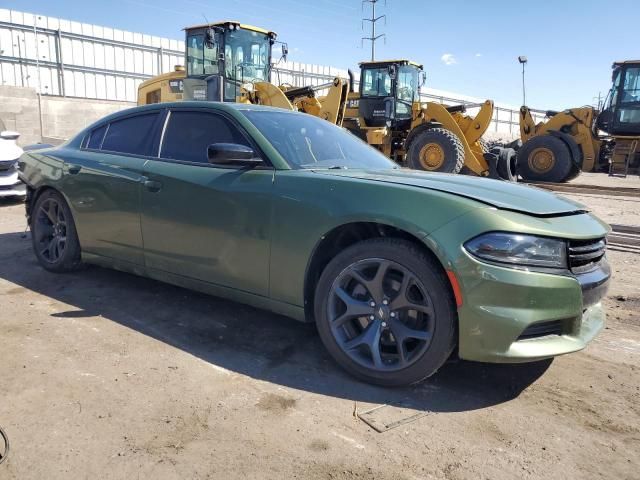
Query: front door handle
[152, 185]
[74, 169]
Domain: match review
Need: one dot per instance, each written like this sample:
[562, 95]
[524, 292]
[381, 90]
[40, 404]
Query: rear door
[203, 221]
[103, 181]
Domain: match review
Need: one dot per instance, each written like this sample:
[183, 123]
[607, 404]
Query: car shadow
[249, 341]
[10, 201]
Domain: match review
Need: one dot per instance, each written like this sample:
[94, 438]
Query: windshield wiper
[314, 166]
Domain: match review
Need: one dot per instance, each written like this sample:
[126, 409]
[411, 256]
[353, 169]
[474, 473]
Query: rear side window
[96, 137]
[130, 135]
[188, 135]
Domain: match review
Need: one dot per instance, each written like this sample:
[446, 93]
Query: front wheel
[436, 150]
[385, 312]
[53, 233]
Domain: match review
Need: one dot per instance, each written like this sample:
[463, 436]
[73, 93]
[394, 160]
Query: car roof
[217, 106]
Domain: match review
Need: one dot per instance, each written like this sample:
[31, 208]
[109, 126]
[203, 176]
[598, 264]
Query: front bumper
[511, 315]
[10, 184]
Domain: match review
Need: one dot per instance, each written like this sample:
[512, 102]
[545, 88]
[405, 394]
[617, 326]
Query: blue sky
[469, 47]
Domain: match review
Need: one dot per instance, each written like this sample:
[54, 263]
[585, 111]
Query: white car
[10, 184]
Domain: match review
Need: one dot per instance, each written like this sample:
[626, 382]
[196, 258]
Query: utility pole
[373, 21]
[523, 61]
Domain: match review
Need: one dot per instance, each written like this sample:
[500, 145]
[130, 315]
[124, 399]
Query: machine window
[130, 135]
[376, 82]
[189, 133]
[631, 91]
[202, 59]
[406, 90]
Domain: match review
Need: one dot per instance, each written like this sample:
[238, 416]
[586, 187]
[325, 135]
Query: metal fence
[66, 58]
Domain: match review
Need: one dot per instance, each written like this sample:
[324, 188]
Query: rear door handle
[152, 185]
[74, 169]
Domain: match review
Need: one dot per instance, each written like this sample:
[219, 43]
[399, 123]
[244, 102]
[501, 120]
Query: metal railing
[65, 63]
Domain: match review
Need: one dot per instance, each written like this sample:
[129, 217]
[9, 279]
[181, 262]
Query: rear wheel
[53, 233]
[385, 312]
[545, 159]
[436, 150]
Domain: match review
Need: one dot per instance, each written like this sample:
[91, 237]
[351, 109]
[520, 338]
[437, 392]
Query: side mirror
[423, 78]
[232, 154]
[9, 135]
[285, 52]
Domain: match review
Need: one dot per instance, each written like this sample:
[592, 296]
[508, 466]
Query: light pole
[523, 60]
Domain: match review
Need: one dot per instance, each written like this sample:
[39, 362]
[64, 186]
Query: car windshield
[308, 142]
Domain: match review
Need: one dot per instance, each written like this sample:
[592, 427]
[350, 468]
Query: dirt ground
[107, 375]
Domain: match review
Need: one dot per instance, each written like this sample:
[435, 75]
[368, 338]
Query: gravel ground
[107, 375]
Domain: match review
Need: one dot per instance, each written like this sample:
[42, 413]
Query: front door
[201, 221]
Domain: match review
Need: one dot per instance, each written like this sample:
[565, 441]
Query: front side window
[307, 142]
[376, 82]
[189, 134]
[202, 57]
[131, 135]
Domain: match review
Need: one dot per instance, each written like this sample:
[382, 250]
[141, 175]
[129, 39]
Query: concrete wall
[62, 117]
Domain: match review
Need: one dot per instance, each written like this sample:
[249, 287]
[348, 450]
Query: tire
[425, 317]
[507, 164]
[53, 234]
[545, 159]
[436, 150]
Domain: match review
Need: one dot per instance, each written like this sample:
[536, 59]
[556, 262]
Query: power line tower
[373, 20]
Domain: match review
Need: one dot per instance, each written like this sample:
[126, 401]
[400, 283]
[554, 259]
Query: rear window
[189, 134]
[96, 137]
[130, 135]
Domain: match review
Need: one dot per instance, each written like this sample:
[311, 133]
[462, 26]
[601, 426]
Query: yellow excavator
[585, 139]
[231, 62]
[388, 114]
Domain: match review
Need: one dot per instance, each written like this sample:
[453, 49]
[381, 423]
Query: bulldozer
[585, 139]
[232, 62]
[387, 113]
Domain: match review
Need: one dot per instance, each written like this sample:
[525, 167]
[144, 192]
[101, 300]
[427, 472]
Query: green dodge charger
[399, 269]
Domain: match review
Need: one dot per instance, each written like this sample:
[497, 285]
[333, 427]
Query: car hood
[497, 193]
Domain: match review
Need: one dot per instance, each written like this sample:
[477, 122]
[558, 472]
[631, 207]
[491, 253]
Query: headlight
[519, 250]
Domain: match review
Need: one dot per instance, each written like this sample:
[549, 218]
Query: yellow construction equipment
[584, 139]
[388, 114]
[231, 62]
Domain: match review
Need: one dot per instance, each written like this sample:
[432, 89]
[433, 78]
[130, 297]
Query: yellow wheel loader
[388, 114]
[583, 139]
[231, 62]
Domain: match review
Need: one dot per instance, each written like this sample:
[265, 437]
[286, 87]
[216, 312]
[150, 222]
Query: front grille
[584, 255]
[542, 329]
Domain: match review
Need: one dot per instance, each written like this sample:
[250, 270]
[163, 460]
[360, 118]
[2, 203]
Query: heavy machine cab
[621, 114]
[388, 91]
[222, 56]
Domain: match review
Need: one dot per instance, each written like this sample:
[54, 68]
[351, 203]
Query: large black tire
[53, 234]
[446, 146]
[431, 288]
[545, 158]
[507, 164]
